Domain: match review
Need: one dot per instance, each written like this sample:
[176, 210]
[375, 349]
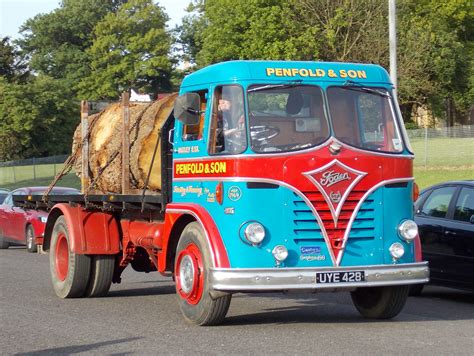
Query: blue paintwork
[286, 217]
[288, 221]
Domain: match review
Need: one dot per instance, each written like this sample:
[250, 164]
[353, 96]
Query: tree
[220, 30]
[190, 33]
[347, 30]
[12, 67]
[56, 43]
[36, 119]
[436, 56]
[130, 50]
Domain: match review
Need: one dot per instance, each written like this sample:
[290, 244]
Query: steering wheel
[263, 133]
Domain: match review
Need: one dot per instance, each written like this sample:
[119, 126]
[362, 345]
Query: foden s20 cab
[276, 176]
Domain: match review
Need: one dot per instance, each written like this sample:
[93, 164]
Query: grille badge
[335, 181]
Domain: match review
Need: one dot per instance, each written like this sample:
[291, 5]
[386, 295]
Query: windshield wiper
[351, 85]
[291, 84]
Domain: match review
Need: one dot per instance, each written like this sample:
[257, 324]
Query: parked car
[445, 217]
[3, 194]
[20, 227]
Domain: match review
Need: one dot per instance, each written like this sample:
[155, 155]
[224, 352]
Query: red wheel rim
[190, 274]
[62, 257]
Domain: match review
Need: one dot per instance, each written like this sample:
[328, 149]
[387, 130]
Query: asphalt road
[140, 316]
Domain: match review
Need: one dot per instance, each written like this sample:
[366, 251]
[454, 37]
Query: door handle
[450, 233]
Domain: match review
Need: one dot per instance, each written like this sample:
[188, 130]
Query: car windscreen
[285, 117]
[364, 117]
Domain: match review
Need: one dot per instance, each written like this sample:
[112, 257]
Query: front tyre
[69, 271]
[30, 239]
[193, 260]
[380, 302]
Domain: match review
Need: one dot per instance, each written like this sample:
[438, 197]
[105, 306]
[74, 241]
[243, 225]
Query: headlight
[397, 250]
[43, 219]
[408, 230]
[254, 233]
[280, 253]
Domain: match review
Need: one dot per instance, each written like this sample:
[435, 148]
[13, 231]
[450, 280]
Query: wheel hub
[189, 274]
[62, 257]
[186, 274]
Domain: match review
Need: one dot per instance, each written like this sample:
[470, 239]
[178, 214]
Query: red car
[20, 227]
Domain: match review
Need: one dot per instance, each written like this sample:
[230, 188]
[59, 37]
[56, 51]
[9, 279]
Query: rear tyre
[69, 271]
[192, 279]
[30, 239]
[3, 244]
[380, 302]
[102, 271]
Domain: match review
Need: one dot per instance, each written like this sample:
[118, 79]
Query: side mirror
[187, 108]
[471, 220]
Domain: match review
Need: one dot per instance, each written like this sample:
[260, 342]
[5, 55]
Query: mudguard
[91, 232]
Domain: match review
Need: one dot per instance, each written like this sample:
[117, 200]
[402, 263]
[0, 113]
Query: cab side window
[437, 203]
[227, 132]
[194, 132]
[465, 205]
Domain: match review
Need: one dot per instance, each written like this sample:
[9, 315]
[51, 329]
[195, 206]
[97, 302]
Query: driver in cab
[231, 124]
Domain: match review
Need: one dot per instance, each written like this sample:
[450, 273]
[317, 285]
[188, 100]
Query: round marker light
[408, 230]
[254, 233]
[397, 250]
[280, 253]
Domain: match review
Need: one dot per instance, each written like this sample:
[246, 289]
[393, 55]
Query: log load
[105, 145]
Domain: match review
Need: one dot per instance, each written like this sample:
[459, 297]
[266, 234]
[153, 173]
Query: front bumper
[286, 279]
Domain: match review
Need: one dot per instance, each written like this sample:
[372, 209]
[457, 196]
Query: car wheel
[30, 239]
[380, 302]
[3, 244]
[192, 285]
[69, 271]
[102, 271]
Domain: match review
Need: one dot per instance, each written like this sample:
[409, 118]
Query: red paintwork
[140, 234]
[418, 251]
[62, 257]
[90, 232]
[194, 295]
[289, 168]
[216, 246]
[13, 220]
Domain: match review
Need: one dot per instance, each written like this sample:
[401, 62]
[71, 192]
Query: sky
[13, 13]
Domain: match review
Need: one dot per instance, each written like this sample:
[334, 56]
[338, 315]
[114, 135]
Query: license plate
[340, 277]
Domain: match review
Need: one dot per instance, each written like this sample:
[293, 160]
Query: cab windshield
[286, 117]
[289, 117]
[364, 117]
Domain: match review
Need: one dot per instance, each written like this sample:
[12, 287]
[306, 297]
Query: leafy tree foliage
[130, 50]
[435, 51]
[12, 67]
[55, 43]
[36, 119]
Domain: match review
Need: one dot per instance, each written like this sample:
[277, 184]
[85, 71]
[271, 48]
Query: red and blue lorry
[276, 176]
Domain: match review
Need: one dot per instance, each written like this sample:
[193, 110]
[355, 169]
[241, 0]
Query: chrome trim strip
[357, 208]
[335, 213]
[274, 279]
